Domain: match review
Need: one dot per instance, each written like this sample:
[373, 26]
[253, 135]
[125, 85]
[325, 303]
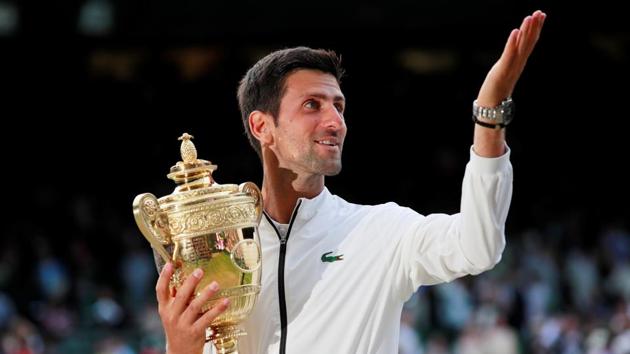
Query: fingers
[185, 292]
[184, 325]
[209, 316]
[161, 288]
[524, 36]
[510, 47]
[537, 23]
[530, 32]
[193, 311]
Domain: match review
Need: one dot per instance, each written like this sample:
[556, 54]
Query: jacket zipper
[281, 260]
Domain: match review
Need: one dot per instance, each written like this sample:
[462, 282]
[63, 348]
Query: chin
[332, 170]
[324, 167]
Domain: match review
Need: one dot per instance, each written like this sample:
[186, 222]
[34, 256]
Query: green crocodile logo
[330, 259]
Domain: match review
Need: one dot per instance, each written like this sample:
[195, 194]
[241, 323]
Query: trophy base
[224, 338]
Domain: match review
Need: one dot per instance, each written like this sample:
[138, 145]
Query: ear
[261, 124]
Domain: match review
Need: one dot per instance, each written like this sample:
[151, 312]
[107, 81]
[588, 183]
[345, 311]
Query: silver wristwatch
[500, 116]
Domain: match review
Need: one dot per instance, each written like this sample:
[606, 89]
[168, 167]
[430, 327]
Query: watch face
[507, 110]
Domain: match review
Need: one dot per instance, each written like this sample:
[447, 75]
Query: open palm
[502, 78]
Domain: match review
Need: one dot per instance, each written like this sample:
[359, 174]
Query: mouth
[328, 142]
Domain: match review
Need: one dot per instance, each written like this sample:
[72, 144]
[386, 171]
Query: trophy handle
[152, 223]
[251, 189]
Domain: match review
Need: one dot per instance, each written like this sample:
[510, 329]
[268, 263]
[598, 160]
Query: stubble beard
[322, 166]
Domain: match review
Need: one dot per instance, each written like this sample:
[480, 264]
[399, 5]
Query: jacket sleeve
[439, 248]
[208, 348]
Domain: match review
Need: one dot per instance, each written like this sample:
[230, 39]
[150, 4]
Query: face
[310, 129]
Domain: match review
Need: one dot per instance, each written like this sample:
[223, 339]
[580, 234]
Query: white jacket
[348, 268]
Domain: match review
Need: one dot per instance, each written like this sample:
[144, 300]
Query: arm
[439, 248]
[502, 78]
[184, 324]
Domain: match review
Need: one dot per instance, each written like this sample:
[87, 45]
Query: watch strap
[501, 114]
[488, 125]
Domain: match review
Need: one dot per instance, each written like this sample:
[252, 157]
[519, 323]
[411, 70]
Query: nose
[333, 118]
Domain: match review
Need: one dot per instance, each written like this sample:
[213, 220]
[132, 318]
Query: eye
[340, 107]
[311, 104]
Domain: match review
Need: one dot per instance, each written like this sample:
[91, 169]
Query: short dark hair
[263, 87]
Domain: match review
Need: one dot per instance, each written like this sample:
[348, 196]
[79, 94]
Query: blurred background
[96, 92]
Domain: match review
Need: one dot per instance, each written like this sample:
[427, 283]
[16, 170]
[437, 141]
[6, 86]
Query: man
[336, 274]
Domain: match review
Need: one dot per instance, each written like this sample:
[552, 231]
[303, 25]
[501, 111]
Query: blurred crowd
[558, 289]
[551, 293]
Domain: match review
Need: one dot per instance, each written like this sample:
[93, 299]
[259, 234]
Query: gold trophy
[211, 226]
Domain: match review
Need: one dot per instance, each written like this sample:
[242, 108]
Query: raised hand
[184, 323]
[502, 78]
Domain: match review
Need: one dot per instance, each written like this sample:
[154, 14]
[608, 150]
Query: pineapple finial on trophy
[188, 150]
[191, 172]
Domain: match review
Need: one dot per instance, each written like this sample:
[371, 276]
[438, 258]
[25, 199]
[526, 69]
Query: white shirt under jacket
[353, 305]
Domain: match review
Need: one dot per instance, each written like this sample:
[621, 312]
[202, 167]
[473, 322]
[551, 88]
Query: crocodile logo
[330, 259]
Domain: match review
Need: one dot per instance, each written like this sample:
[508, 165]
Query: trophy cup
[211, 226]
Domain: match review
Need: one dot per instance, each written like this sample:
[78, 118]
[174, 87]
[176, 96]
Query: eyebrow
[336, 98]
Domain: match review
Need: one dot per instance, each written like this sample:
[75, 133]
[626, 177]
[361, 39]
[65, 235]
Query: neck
[282, 188]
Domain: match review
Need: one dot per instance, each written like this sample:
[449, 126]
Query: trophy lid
[194, 180]
[191, 173]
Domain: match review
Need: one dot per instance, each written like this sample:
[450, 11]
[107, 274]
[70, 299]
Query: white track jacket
[338, 281]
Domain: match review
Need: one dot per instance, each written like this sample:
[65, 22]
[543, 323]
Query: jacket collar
[307, 208]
